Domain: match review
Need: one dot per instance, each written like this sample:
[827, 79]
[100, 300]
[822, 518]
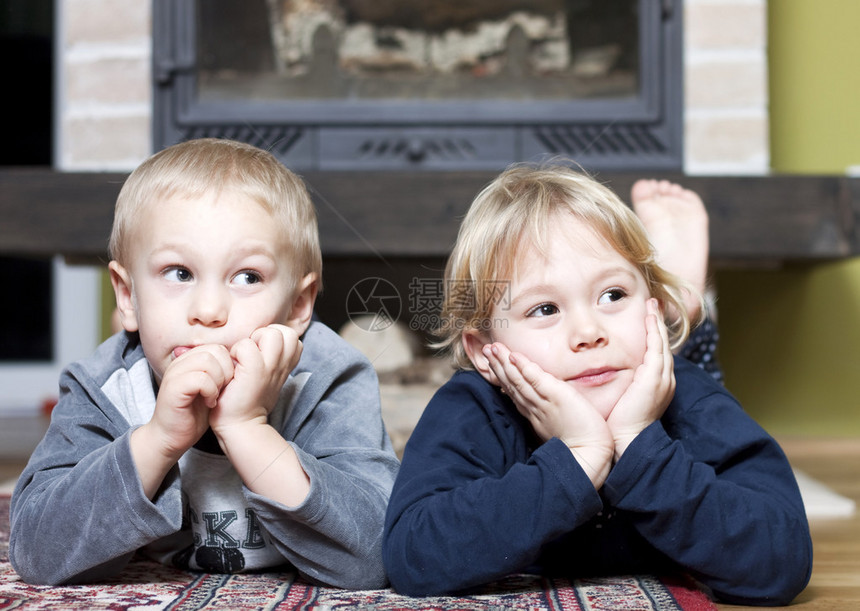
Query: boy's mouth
[180, 350]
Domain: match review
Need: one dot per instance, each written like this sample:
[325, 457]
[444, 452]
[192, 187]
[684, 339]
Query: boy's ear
[122, 289]
[303, 303]
[473, 343]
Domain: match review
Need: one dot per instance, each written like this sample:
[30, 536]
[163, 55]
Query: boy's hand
[652, 388]
[264, 460]
[262, 364]
[189, 390]
[554, 409]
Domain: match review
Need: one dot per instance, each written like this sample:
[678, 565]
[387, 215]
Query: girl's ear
[303, 304]
[473, 343]
[122, 289]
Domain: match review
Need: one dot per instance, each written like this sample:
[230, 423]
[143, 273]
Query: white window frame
[26, 386]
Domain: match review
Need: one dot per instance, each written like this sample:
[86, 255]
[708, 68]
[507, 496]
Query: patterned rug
[146, 586]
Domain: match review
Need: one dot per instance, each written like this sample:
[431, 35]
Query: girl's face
[578, 312]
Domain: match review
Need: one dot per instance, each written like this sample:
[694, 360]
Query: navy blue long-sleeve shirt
[704, 490]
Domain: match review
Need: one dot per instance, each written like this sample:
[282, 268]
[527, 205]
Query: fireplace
[388, 85]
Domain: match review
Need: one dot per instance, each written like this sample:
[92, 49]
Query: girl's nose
[586, 344]
[586, 333]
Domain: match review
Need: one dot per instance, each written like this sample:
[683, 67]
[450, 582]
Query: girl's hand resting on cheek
[652, 388]
[554, 409]
[262, 364]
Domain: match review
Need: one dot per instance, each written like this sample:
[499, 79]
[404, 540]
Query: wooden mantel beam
[754, 219]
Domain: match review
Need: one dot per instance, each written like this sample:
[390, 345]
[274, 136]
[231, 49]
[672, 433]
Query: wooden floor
[835, 582]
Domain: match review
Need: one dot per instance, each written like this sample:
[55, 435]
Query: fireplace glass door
[424, 84]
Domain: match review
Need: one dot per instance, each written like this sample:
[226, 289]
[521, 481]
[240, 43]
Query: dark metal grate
[605, 139]
[278, 139]
[416, 149]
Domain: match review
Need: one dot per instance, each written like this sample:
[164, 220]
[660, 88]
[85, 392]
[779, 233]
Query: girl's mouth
[595, 377]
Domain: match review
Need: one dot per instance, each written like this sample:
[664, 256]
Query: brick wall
[104, 94]
[104, 102]
[726, 88]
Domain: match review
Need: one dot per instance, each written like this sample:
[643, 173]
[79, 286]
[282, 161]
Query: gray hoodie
[79, 513]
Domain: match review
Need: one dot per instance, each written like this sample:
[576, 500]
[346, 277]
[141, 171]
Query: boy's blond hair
[514, 212]
[210, 166]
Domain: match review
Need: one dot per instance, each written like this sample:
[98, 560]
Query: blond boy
[223, 430]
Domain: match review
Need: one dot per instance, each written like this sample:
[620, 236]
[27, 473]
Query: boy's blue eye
[611, 296]
[179, 274]
[248, 278]
[544, 309]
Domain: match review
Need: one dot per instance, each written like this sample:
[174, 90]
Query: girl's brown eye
[611, 296]
[545, 309]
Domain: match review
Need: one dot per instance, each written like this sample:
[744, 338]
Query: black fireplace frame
[636, 134]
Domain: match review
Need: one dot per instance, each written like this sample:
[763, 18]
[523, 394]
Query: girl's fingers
[505, 366]
[531, 373]
[668, 356]
[664, 335]
[663, 363]
[528, 386]
[496, 355]
[657, 337]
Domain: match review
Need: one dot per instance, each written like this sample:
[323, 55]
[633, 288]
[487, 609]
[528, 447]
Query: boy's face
[206, 272]
[579, 313]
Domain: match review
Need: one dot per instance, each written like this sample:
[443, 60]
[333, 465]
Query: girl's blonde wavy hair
[516, 210]
[209, 166]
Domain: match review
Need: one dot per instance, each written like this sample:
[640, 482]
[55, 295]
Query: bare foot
[677, 224]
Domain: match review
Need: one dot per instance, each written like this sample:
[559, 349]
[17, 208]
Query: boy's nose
[210, 307]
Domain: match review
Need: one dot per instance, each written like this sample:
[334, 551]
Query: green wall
[813, 52]
[791, 337]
